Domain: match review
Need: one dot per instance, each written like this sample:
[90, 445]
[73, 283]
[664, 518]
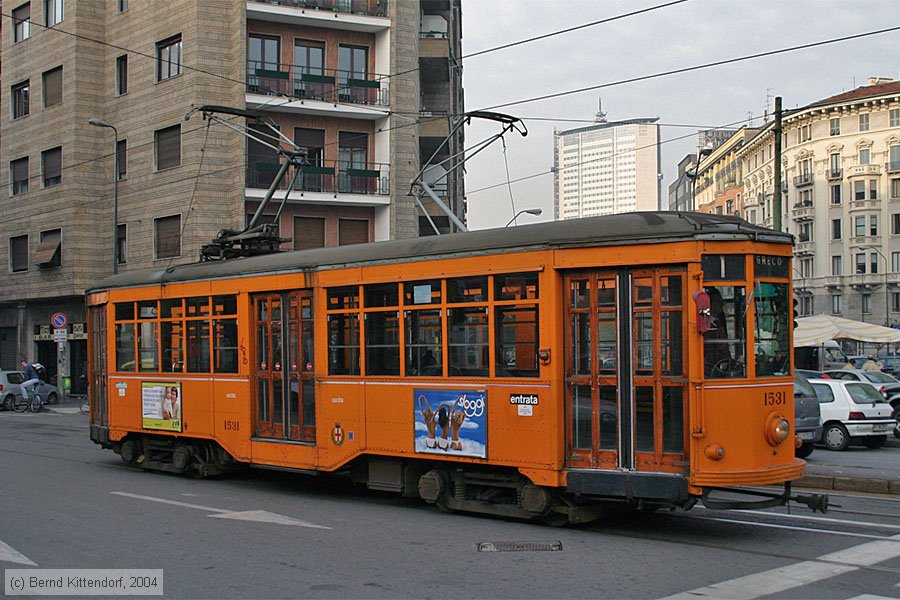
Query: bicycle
[84, 405]
[35, 404]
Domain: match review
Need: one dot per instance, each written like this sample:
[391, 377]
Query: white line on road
[789, 527]
[10, 554]
[792, 576]
[817, 519]
[257, 516]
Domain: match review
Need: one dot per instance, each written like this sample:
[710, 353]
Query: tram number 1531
[774, 398]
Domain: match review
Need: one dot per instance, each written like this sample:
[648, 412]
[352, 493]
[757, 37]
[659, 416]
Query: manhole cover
[519, 546]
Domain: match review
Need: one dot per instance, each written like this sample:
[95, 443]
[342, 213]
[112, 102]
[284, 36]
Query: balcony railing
[372, 8]
[833, 174]
[327, 85]
[803, 179]
[892, 166]
[334, 177]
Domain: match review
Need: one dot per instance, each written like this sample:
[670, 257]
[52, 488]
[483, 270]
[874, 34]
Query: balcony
[865, 240]
[857, 170]
[833, 281]
[834, 174]
[325, 85]
[803, 211]
[892, 166]
[331, 177]
[804, 248]
[371, 8]
[864, 204]
[803, 179]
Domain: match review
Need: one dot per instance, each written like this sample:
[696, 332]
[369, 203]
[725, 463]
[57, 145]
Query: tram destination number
[774, 398]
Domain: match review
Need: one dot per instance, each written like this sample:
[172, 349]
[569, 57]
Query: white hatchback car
[852, 410]
[9, 388]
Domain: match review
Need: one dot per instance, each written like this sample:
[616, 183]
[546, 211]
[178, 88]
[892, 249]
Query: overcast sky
[684, 35]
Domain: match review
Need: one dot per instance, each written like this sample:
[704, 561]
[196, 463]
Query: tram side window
[424, 355]
[468, 343]
[724, 346]
[383, 343]
[517, 343]
[343, 344]
[773, 322]
[225, 346]
[125, 346]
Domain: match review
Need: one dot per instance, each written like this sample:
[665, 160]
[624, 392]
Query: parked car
[10, 386]
[888, 385]
[890, 363]
[807, 415]
[852, 410]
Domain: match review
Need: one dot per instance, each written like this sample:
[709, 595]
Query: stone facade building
[369, 88]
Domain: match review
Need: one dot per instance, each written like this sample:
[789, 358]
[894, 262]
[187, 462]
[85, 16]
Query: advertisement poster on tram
[451, 422]
[161, 405]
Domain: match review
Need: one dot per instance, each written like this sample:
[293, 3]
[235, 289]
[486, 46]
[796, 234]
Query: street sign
[60, 336]
[59, 320]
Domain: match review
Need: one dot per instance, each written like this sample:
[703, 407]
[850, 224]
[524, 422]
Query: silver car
[10, 387]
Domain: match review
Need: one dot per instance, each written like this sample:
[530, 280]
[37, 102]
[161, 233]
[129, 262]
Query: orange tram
[541, 372]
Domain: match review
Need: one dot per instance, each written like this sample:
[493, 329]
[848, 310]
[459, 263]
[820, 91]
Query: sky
[683, 35]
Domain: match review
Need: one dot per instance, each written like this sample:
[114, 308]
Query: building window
[835, 165]
[835, 304]
[873, 189]
[805, 133]
[168, 147]
[894, 159]
[121, 6]
[121, 159]
[309, 232]
[353, 231]
[18, 175]
[836, 266]
[895, 117]
[122, 238]
[53, 82]
[53, 12]
[859, 190]
[21, 92]
[864, 156]
[21, 22]
[835, 126]
[864, 122]
[860, 264]
[895, 262]
[873, 262]
[353, 64]
[836, 229]
[18, 253]
[805, 233]
[895, 188]
[859, 226]
[873, 224]
[122, 75]
[49, 251]
[895, 224]
[806, 268]
[836, 194]
[895, 301]
[806, 306]
[168, 58]
[168, 236]
[866, 303]
[51, 166]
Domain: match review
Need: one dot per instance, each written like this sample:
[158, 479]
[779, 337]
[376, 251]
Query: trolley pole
[776, 197]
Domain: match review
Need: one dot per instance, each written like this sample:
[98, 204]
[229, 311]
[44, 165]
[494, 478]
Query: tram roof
[608, 230]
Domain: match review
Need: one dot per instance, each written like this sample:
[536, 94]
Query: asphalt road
[267, 534]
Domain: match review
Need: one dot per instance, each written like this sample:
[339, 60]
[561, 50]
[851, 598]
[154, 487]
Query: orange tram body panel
[539, 372]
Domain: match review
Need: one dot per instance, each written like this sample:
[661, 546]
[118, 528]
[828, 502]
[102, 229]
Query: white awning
[813, 331]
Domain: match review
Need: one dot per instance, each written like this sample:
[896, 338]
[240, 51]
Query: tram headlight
[778, 428]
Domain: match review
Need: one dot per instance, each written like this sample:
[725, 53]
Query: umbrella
[813, 331]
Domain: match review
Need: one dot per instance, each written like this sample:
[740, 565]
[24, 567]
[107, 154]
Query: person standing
[871, 365]
[31, 378]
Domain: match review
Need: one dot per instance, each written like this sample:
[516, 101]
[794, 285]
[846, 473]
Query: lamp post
[102, 123]
[887, 304]
[531, 211]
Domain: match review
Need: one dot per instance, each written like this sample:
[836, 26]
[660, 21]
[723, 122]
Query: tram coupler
[817, 502]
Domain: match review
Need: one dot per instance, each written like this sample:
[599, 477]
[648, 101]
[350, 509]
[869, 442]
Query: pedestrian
[871, 365]
[30, 375]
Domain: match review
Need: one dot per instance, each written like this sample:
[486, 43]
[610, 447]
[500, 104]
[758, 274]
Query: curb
[850, 484]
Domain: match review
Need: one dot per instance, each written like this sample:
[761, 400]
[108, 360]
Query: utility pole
[776, 197]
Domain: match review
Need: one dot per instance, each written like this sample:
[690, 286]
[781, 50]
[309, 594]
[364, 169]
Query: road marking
[10, 554]
[778, 580]
[870, 597]
[790, 527]
[819, 519]
[257, 516]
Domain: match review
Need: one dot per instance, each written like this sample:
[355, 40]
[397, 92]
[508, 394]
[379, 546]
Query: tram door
[283, 366]
[625, 383]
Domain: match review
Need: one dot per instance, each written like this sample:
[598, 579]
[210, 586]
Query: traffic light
[796, 312]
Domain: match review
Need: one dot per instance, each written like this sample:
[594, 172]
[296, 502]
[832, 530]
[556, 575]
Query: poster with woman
[451, 422]
[161, 405]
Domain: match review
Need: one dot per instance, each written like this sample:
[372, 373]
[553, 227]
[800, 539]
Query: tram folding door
[283, 380]
[625, 370]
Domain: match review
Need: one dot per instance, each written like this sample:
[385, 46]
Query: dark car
[890, 363]
[807, 415]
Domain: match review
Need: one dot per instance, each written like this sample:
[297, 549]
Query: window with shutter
[309, 232]
[18, 170]
[168, 58]
[53, 82]
[122, 75]
[49, 251]
[168, 236]
[122, 159]
[18, 253]
[21, 93]
[21, 18]
[168, 147]
[51, 165]
[353, 231]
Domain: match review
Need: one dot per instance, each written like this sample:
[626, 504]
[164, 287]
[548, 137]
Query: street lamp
[531, 211]
[102, 123]
[887, 304]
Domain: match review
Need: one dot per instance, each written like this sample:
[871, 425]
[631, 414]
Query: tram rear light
[778, 428]
[715, 452]
[857, 416]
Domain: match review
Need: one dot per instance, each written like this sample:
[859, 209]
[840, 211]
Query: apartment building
[607, 168]
[368, 88]
[719, 188]
[841, 183]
